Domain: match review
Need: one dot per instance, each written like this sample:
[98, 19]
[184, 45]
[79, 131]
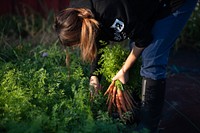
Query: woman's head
[77, 26]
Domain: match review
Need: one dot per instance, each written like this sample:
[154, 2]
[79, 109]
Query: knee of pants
[154, 69]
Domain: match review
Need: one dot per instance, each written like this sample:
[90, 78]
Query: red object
[39, 6]
[6, 6]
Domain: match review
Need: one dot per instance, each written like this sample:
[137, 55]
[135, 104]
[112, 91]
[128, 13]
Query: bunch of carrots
[119, 99]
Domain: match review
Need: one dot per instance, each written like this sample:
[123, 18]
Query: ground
[181, 113]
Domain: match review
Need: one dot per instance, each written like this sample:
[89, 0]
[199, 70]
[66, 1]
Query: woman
[151, 26]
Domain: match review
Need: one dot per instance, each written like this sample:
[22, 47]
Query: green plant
[38, 95]
[190, 35]
[113, 58]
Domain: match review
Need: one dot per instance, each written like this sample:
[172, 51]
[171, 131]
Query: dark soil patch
[181, 112]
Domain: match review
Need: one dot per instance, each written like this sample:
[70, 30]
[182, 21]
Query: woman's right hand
[122, 76]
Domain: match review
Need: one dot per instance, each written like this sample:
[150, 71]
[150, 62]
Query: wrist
[124, 70]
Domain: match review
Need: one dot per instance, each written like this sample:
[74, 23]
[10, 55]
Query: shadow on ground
[181, 112]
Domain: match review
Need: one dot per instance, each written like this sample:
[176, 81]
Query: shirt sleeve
[142, 35]
[95, 64]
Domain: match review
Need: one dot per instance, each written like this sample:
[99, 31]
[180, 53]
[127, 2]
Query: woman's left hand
[122, 76]
[95, 85]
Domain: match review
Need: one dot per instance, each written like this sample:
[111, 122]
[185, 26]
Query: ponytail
[88, 35]
[77, 26]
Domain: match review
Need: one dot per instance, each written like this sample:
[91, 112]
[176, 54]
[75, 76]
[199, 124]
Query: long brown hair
[77, 26]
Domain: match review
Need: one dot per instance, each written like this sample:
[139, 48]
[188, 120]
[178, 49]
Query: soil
[181, 113]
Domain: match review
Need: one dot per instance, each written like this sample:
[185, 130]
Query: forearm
[134, 54]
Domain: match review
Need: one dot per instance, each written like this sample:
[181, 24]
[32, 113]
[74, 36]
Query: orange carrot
[114, 95]
[129, 103]
[118, 106]
[121, 99]
[110, 106]
[111, 86]
[109, 94]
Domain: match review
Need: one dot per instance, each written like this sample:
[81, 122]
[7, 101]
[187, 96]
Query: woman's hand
[122, 76]
[95, 85]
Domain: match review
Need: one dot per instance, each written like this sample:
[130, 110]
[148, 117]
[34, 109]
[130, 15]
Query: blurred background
[29, 17]
[39, 6]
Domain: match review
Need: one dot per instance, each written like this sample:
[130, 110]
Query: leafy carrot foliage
[120, 98]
